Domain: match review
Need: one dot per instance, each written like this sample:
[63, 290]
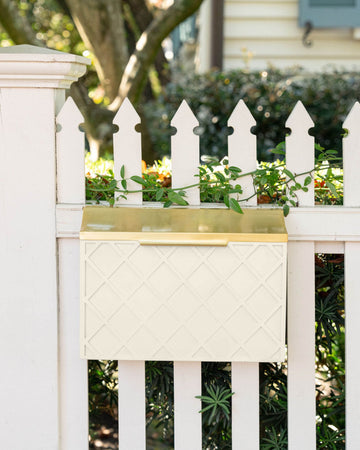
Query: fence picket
[127, 151]
[70, 149]
[300, 150]
[351, 163]
[187, 375]
[245, 405]
[301, 297]
[244, 376]
[185, 152]
[242, 148]
[351, 157]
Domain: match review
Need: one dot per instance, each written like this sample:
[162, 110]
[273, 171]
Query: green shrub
[270, 95]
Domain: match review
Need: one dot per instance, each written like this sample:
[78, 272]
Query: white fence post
[301, 297]
[29, 79]
[244, 376]
[351, 164]
[187, 375]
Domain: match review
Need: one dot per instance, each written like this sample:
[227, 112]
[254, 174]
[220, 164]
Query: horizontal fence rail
[311, 229]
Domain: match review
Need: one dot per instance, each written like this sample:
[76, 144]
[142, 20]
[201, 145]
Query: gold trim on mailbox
[182, 226]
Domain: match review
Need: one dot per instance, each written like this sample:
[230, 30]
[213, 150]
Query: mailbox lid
[209, 226]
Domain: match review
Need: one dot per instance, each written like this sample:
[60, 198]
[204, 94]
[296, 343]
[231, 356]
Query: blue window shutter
[330, 13]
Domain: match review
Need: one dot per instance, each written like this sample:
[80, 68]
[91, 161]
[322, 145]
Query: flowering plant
[219, 182]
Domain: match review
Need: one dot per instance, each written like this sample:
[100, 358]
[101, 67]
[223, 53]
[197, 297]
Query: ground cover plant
[273, 185]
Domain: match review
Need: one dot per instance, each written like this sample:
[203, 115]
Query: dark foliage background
[270, 95]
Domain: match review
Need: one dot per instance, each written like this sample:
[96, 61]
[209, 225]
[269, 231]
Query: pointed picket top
[242, 149]
[351, 157]
[70, 153]
[300, 153]
[127, 115]
[353, 118]
[185, 152]
[69, 114]
[299, 118]
[184, 116]
[241, 114]
[127, 151]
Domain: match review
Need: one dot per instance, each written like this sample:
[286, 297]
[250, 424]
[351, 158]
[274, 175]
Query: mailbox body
[183, 284]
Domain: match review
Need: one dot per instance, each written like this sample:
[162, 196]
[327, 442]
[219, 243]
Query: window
[330, 13]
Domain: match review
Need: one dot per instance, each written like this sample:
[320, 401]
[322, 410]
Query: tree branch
[147, 47]
[17, 27]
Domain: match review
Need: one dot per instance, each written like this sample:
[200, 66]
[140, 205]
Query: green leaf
[307, 181]
[174, 197]
[167, 204]
[124, 183]
[138, 180]
[122, 171]
[234, 205]
[220, 176]
[289, 174]
[159, 194]
[332, 188]
[286, 210]
[235, 169]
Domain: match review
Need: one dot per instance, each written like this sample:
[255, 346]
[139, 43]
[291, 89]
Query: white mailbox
[183, 284]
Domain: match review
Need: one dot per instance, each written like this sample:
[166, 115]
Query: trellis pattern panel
[183, 303]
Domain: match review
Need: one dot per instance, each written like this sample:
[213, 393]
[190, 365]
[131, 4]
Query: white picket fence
[311, 229]
[43, 382]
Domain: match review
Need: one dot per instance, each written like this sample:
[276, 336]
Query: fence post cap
[31, 66]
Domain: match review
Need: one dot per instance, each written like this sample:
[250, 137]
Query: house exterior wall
[262, 32]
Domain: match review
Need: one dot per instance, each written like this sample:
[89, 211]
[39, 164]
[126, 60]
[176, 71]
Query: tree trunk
[101, 27]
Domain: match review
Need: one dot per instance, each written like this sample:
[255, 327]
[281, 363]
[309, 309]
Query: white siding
[269, 30]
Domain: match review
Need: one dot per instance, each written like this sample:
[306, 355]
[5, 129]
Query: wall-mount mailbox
[183, 284]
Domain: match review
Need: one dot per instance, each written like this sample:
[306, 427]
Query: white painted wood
[187, 375]
[329, 247]
[70, 153]
[301, 346]
[301, 297]
[29, 382]
[351, 161]
[38, 67]
[187, 423]
[351, 157]
[73, 373]
[260, 10]
[245, 405]
[28, 295]
[314, 64]
[185, 157]
[242, 150]
[203, 60]
[300, 150]
[352, 329]
[269, 30]
[132, 405]
[245, 402]
[276, 28]
[127, 151]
